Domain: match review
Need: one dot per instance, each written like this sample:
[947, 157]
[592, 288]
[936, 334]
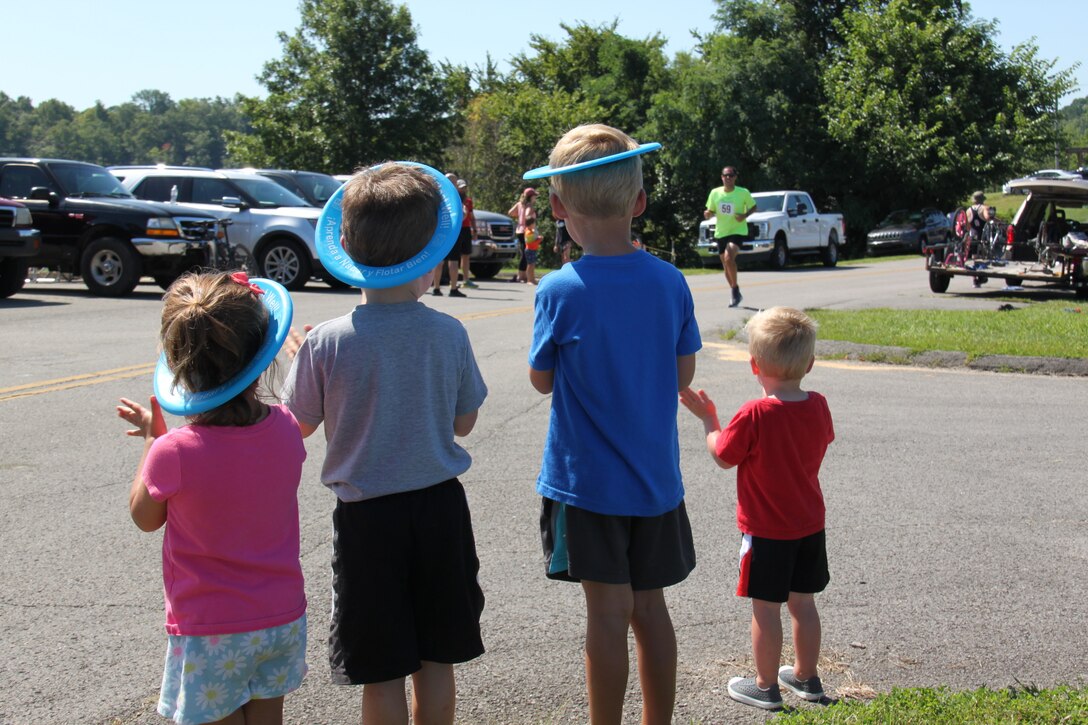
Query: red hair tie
[243, 278]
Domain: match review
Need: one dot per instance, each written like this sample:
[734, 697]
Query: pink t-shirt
[777, 448]
[230, 554]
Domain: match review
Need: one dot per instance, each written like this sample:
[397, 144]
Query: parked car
[785, 224]
[90, 225]
[19, 240]
[315, 188]
[495, 244]
[1008, 188]
[272, 229]
[910, 231]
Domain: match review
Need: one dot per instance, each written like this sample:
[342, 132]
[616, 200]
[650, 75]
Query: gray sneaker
[810, 689]
[744, 689]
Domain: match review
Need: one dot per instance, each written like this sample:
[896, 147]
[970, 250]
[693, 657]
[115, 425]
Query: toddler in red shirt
[777, 444]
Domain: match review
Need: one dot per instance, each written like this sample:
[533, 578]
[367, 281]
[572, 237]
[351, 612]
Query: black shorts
[463, 245]
[772, 568]
[647, 552]
[405, 589]
[725, 241]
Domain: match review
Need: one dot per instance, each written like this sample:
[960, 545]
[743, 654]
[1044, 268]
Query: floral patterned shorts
[208, 678]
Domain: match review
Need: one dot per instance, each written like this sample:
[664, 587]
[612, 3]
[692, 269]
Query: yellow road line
[75, 381]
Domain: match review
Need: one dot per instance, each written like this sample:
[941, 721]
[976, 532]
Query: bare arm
[542, 380]
[147, 513]
[703, 408]
[306, 429]
[463, 424]
[685, 371]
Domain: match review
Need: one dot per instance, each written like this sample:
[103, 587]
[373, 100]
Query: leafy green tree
[927, 106]
[352, 88]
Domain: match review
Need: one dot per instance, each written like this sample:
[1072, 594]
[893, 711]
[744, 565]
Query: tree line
[867, 104]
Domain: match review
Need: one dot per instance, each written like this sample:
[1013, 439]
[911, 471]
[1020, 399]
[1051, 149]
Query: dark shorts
[647, 552]
[771, 568]
[405, 589]
[530, 256]
[725, 241]
[463, 245]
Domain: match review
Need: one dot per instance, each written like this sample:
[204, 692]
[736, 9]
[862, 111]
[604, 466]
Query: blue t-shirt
[611, 329]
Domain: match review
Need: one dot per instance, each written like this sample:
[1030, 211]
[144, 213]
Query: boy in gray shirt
[394, 382]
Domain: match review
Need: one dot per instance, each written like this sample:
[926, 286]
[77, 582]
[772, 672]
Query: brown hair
[605, 191]
[212, 327]
[783, 341]
[389, 214]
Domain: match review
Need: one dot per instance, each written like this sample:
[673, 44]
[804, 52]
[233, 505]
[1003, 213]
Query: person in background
[730, 205]
[468, 233]
[523, 212]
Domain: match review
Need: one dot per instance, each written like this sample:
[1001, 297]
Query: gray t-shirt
[387, 380]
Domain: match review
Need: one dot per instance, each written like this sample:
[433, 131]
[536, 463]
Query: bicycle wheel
[993, 240]
[961, 236]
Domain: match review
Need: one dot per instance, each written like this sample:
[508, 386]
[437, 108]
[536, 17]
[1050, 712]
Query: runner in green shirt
[731, 206]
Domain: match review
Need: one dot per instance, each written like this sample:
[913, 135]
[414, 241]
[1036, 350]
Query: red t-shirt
[469, 219]
[777, 448]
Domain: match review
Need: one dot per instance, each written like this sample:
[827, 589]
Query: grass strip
[1025, 704]
[1039, 329]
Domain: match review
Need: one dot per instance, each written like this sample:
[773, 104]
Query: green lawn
[1047, 329]
[974, 707]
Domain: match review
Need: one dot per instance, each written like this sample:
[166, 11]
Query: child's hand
[149, 423]
[699, 403]
[294, 341]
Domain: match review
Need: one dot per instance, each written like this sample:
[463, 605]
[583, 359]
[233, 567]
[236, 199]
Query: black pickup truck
[19, 241]
[91, 226]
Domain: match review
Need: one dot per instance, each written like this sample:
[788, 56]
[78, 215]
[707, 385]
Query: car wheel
[12, 276]
[939, 282]
[284, 260]
[830, 253]
[110, 267]
[780, 255]
[485, 270]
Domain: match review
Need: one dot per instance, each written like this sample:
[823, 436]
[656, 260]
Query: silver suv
[271, 229]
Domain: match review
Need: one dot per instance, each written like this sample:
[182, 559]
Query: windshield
[88, 181]
[773, 202]
[901, 216]
[267, 193]
[318, 187]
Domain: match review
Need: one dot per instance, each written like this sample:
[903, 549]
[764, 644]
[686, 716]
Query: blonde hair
[211, 328]
[783, 342]
[605, 191]
[389, 214]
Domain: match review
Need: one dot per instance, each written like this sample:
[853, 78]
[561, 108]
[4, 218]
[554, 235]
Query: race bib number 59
[725, 208]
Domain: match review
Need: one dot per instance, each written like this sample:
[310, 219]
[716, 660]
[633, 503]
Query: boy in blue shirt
[612, 514]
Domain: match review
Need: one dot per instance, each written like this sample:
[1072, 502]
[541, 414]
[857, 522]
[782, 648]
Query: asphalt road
[957, 526]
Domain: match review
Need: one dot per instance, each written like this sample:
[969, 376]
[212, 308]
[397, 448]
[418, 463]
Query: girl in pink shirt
[226, 486]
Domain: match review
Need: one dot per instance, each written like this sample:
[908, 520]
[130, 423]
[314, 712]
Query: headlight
[163, 226]
[482, 229]
[23, 217]
[763, 230]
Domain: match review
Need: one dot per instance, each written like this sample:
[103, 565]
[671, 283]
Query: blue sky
[110, 49]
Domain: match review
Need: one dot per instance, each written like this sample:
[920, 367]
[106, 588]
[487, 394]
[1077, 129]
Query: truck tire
[110, 267]
[12, 276]
[830, 254]
[780, 255]
[285, 261]
[485, 270]
[939, 282]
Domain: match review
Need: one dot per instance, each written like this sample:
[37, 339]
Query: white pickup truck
[785, 225]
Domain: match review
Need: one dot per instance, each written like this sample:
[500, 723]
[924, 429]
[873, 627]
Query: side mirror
[792, 211]
[234, 202]
[44, 193]
[802, 208]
